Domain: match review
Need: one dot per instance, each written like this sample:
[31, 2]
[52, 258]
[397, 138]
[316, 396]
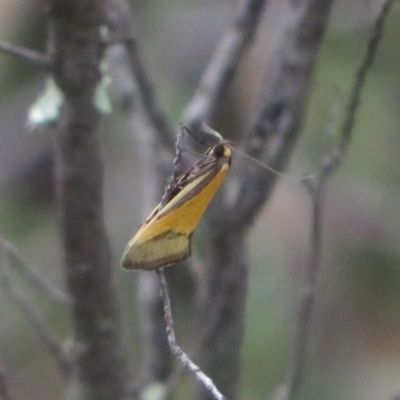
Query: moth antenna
[193, 135]
[207, 130]
[267, 167]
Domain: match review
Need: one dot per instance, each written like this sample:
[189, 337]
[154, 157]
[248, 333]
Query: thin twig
[308, 291]
[153, 108]
[317, 192]
[147, 118]
[37, 321]
[29, 56]
[332, 162]
[121, 25]
[176, 349]
[279, 114]
[276, 123]
[22, 266]
[5, 393]
[177, 163]
[224, 63]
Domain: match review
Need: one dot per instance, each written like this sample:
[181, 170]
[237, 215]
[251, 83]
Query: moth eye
[219, 150]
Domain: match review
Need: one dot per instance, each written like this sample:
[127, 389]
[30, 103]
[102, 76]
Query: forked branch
[333, 161]
[316, 190]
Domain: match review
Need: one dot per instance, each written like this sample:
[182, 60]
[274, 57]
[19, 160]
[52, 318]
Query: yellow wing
[165, 239]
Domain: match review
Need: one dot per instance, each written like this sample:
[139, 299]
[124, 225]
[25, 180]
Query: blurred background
[354, 349]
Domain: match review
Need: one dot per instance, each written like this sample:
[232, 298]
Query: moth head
[222, 150]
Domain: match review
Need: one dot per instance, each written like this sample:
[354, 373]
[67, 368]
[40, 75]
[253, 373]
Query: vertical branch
[158, 365]
[75, 36]
[307, 296]
[146, 119]
[277, 122]
[224, 310]
[207, 383]
[375, 37]
[224, 63]
[122, 25]
[329, 165]
[215, 81]
[279, 114]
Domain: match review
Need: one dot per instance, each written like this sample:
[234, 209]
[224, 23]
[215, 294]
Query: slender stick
[154, 110]
[5, 393]
[26, 55]
[177, 162]
[275, 125]
[147, 117]
[308, 291]
[329, 164]
[347, 129]
[176, 349]
[122, 24]
[37, 321]
[224, 63]
[22, 266]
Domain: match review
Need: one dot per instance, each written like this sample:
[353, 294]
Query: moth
[165, 236]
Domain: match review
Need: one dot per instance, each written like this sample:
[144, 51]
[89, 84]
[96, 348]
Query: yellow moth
[165, 237]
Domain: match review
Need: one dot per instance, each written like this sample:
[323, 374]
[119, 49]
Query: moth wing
[164, 249]
[165, 237]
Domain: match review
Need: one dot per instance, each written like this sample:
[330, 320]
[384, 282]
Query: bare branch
[22, 266]
[227, 271]
[121, 24]
[37, 321]
[177, 163]
[307, 295]
[5, 393]
[26, 55]
[334, 159]
[276, 124]
[99, 360]
[280, 111]
[175, 348]
[156, 364]
[224, 63]
[317, 192]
